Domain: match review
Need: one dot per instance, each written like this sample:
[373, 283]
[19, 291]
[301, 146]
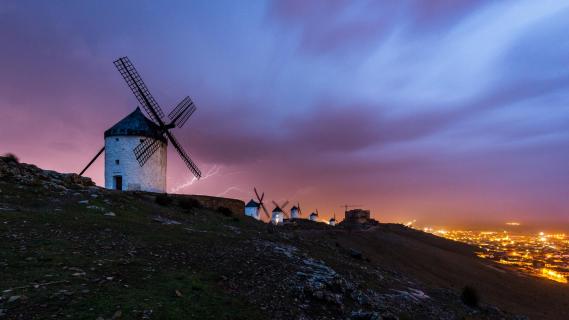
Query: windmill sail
[145, 150]
[135, 83]
[189, 163]
[182, 112]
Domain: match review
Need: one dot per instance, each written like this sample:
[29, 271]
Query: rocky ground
[71, 250]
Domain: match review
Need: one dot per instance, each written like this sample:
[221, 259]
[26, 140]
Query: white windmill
[278, 214]
[135, 148]
[314, 216]
[252, 209]
[295, 212]
[332, 221]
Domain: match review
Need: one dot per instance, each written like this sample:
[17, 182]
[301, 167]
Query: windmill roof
[314, 214]
[294, 208]
[136, 124]
[277, 209]
[252, 204]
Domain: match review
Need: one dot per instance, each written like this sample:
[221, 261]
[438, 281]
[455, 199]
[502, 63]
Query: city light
[543, 255]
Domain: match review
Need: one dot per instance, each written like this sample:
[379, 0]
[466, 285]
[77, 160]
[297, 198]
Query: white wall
[294, 214]
[277, 218]
[252, 212]
[150, 177]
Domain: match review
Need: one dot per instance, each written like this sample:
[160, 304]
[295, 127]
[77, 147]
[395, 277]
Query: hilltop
[69, 249]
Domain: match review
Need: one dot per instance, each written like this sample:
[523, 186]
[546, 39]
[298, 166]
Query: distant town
[539, 254]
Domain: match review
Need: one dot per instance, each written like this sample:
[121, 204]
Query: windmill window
[141, 140]
[116, 139]
[117, 161]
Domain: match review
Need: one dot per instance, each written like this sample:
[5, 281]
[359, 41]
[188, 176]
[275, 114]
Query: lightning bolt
[230, 189]
[214, 170]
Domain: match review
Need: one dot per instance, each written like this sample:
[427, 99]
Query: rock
[164, 220]
[95, 208]
[117, 314]
[13, 299]
[356, 254]
[362, 315]
[110, 214]
[178, 293]
[84, 202]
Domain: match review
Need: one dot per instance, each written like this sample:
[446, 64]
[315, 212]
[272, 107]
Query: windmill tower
[295, 212]
[332, 221]
[278, 215]
[314, 216]
[252, 209]
[136, 147]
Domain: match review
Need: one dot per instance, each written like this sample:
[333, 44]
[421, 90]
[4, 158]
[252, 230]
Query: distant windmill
[144, 137]
[261, 204]
[332, 221]
[278, 213]
[296, 212]
[252, 209]
[313, 216]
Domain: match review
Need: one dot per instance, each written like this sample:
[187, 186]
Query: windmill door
[118, 182]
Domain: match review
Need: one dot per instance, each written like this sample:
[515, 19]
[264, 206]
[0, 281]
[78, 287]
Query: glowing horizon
[453, 113]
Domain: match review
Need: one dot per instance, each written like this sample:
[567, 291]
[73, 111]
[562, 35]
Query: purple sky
[447, 112]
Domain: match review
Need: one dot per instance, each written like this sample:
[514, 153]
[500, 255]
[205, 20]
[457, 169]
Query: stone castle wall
[236, 206]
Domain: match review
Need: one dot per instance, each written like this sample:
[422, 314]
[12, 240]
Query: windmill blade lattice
[261, 204]
[145, 150]
[135, 83]
[189, 163]
[182, 112]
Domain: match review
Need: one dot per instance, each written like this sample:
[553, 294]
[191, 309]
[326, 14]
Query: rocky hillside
[71, 250]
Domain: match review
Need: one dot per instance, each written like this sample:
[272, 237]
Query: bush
[225, 211]
[163, 199]
[189, 204]
[10, 157]
[469, 297]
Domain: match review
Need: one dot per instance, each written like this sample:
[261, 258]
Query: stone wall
[357, 216]
[236, 206]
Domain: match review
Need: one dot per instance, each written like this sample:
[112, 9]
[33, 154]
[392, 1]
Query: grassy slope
[129, 265]
[438, 262]
[103, 264]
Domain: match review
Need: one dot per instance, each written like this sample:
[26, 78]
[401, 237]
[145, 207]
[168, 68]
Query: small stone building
[357, 216]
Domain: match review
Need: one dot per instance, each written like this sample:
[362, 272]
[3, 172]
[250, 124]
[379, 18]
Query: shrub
[225, 211]
[10, 157]
[189, 204]
[163, 199]
[469, 297]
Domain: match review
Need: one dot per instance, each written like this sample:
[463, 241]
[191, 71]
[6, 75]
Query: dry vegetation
[72, 250]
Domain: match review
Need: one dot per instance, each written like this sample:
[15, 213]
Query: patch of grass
[225, 211]
[189, 204]
[173, 295]
[163, 199]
